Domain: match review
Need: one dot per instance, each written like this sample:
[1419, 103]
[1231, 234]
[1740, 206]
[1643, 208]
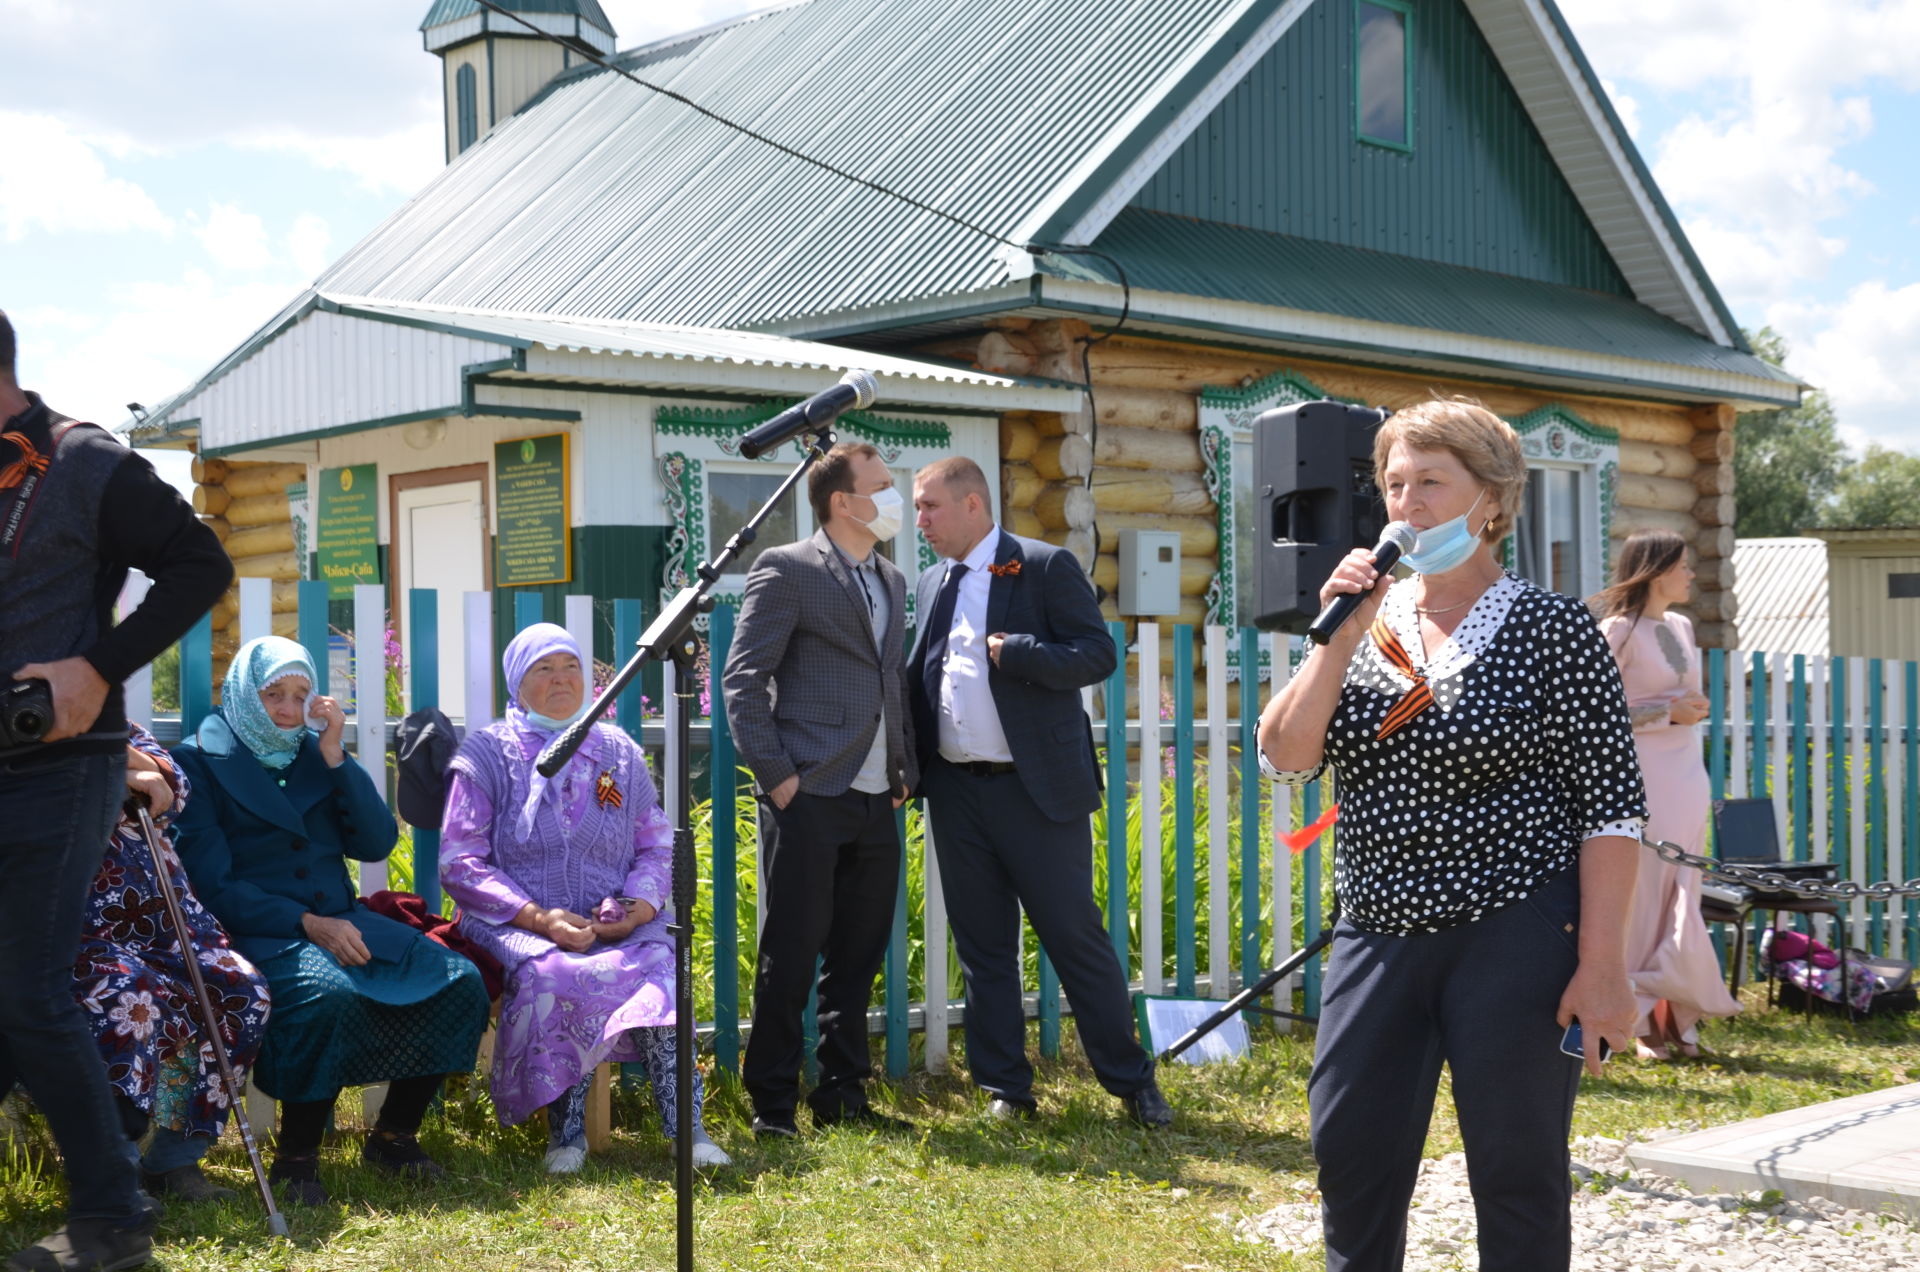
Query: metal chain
[1771, 881]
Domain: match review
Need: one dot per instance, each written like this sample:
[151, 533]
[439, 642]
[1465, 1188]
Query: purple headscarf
[522, 652]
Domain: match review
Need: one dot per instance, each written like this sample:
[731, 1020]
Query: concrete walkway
[1863, 1152]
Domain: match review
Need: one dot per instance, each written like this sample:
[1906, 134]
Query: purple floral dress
[132, 983]
[601, 835]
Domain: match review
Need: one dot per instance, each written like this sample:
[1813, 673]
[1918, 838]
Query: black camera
[26, 712]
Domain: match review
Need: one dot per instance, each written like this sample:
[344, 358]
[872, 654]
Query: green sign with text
[530, 501]
[347, 527]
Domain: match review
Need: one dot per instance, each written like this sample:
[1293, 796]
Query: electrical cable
[1032, 249]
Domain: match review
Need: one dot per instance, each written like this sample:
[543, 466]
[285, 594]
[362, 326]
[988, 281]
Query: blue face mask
[552, 725]
[1446, 546]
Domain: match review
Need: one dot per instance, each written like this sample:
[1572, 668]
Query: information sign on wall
[530, 500]
[346, 533]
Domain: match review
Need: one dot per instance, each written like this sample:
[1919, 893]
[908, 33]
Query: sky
[171, 175]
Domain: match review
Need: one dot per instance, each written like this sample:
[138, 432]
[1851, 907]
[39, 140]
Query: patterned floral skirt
[335, 1027]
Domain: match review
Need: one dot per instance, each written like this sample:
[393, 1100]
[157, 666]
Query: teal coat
[266, 848]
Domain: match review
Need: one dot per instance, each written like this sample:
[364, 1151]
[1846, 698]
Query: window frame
[1555, 437]
[1405, 10]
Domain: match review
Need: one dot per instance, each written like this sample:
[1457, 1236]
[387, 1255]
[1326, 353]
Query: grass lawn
[1080, 1189]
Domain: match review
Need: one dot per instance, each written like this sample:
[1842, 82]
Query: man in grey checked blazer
[817, 703]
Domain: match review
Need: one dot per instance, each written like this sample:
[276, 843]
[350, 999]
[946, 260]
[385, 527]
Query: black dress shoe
[90, 1245]
[1149, 1108]
[1001, 1109]
[864, 1117]
[773, 1126]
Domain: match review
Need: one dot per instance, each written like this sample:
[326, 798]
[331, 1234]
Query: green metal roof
[444, 11]
[602, 201]
[1179, 255]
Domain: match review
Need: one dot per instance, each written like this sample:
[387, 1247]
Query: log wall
[1067, 482]
[246, 504]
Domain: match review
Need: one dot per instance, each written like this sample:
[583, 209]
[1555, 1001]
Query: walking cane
[276, 1223]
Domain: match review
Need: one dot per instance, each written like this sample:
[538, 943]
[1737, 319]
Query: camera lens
[29, 723]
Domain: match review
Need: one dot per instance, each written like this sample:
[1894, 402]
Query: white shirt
[872, 777]
[969, 722]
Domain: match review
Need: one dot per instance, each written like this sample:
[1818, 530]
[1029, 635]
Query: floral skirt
[139, 1002]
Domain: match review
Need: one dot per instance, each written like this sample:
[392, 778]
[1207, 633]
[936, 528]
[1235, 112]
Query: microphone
[1395, 541]
[855, 392]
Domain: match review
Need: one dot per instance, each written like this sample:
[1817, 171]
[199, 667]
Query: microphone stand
[1243, 1001]
[672, 638]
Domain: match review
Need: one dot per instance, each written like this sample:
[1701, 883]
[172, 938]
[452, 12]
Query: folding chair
[1746, 833]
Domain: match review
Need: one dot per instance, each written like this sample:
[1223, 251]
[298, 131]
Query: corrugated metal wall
[1479, 189]
[1866, 622]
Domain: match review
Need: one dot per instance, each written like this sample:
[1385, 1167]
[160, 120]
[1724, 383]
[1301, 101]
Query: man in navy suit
[1011, 634]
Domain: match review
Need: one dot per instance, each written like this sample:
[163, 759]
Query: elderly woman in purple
[564, 881]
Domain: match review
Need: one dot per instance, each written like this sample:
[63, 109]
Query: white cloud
[1861, 351]
[1626, 107]
[54, 180]
[1771, 97]
[397, 162]
[234, 239]
[148, 340]
[307, 243]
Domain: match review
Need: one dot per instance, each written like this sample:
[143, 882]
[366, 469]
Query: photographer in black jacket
[77, 510]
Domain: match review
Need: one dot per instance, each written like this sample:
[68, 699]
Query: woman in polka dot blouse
[1490, 813]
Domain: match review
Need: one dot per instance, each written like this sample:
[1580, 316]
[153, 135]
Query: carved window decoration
[1226, 449]
[709, 489]
[1562, 539]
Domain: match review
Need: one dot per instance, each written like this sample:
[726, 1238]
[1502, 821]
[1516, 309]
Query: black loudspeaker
[1314, 501]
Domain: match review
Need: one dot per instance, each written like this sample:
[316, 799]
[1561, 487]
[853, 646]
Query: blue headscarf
[242, 717]
[522, 652]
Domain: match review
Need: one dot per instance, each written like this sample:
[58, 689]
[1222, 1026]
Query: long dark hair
[1644, 557]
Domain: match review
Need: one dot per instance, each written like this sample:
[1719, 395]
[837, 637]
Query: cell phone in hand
[1574, 1043]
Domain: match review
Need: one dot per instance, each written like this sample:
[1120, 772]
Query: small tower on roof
[491, 64]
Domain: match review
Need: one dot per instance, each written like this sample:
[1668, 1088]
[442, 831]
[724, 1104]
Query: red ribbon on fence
[1298, 840]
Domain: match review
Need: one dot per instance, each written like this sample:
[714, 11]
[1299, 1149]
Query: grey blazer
[805, 681]
[1056, 643]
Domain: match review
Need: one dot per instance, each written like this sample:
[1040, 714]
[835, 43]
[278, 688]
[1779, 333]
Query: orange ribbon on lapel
[1418, 698]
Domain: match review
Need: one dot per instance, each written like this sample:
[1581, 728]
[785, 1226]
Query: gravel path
[1625, 1220]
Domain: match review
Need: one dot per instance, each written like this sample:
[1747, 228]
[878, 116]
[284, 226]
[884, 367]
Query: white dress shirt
[969, 722]
[872, 777]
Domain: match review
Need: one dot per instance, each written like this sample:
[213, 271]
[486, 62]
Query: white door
[443, 545]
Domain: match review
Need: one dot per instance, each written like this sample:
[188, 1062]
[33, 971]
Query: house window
[466, 103]
[1549, 545]
[734, 497]
[1383, 73]
[1560, 538]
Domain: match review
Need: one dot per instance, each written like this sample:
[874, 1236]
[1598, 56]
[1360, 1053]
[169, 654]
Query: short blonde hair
[1479, 439]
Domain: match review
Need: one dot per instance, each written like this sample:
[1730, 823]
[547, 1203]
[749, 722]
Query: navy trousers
[1481, 999]
[57, 819]
[1000, 854]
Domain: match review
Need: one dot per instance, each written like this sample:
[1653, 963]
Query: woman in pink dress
[1670, 958]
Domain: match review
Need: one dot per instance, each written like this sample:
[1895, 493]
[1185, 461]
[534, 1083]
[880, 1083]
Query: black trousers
[832, 874]
[1480, 998]
[1000, 854]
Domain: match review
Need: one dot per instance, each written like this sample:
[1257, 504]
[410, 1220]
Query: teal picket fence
[1198, 891]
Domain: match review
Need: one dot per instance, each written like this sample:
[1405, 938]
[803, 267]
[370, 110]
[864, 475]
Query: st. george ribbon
[855, 392]
[1395, 542]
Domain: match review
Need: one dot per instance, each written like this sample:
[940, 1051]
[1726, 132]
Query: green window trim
[1405, 10]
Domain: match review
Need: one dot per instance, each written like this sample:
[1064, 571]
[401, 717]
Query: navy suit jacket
[262, 856]
[1056, 644]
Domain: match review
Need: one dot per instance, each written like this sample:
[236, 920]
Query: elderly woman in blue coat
[357, 998]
